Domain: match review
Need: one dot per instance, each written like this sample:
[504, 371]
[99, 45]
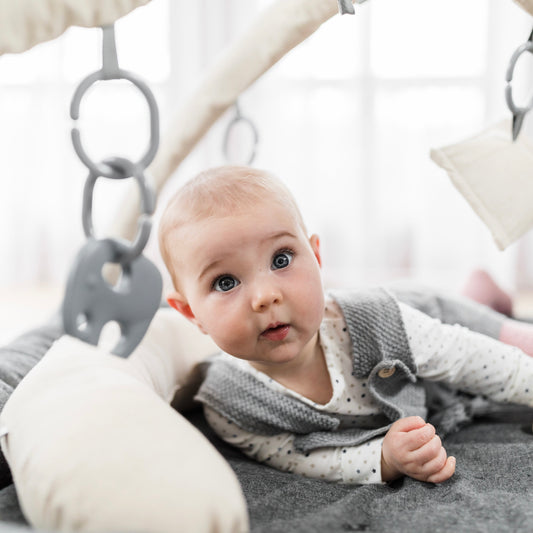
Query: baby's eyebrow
[208, 268]
[279, 235]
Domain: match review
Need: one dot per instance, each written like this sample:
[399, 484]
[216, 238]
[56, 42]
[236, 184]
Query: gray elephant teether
[90, 301]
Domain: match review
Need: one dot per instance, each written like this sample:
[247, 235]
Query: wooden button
[387, 372]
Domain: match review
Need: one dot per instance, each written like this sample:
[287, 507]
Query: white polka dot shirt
[452, 354]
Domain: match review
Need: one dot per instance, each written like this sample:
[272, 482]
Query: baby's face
[253, 283]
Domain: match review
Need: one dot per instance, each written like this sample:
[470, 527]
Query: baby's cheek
[311, 301]
[230, 333]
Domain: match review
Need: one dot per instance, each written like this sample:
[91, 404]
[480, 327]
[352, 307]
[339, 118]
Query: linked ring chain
[117, 167]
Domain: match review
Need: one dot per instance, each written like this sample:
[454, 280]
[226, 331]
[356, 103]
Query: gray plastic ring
[255, 137]
[518, 112]
[121, 168]
[82, 88]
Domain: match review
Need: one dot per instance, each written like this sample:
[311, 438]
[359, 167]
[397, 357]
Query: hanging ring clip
[239, 118]
[519, 113]
[345, 7]
[111, 71]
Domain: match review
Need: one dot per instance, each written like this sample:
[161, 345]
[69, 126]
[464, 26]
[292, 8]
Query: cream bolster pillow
[93, 447]
[169, 357]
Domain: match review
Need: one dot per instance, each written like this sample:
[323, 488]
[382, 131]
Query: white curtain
[346, 119]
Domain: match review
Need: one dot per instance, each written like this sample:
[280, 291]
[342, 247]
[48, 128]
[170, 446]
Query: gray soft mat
[492, 490]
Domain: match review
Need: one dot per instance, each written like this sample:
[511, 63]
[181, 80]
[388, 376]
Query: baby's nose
[265, 294]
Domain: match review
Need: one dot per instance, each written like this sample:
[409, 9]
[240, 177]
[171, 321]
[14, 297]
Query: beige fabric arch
[526, 4]
[25, 23]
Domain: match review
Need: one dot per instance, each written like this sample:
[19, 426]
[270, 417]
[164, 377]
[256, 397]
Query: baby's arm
[353, 464]
[468, 360]
[411, 447]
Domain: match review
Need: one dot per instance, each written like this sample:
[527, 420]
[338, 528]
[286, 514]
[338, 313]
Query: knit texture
[376, 329]
[450, 309]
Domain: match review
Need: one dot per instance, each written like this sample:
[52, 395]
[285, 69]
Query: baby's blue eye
[282, 260]
[225, 283]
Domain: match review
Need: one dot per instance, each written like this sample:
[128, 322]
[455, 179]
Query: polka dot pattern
[468, 360]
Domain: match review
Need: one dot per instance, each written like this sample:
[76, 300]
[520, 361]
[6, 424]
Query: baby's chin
[278, 358]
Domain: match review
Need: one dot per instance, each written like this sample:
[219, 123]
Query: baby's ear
[314, 241]
[179, 303]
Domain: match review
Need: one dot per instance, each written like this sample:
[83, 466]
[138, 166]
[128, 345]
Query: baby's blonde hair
[218, 192]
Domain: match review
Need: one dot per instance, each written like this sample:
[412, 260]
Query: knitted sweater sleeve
[468, 360]
[353, 464]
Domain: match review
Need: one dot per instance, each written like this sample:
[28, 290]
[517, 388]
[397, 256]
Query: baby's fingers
[408, 424]
[445, 473]
[430, 451]
[417, 438]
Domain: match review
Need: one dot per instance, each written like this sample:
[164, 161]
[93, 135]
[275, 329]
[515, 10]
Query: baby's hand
[411, 447]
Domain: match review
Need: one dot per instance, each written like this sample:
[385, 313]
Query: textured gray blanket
[492, 490]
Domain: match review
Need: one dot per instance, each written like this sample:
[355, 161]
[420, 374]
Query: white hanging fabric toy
[494, 169]
[495, 175]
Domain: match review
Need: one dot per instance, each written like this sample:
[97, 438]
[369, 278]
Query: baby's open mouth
[276, 332]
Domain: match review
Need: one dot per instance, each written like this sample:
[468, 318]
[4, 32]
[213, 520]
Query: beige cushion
[94, 446]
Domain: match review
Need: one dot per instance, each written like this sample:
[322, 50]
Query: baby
[327, 385]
